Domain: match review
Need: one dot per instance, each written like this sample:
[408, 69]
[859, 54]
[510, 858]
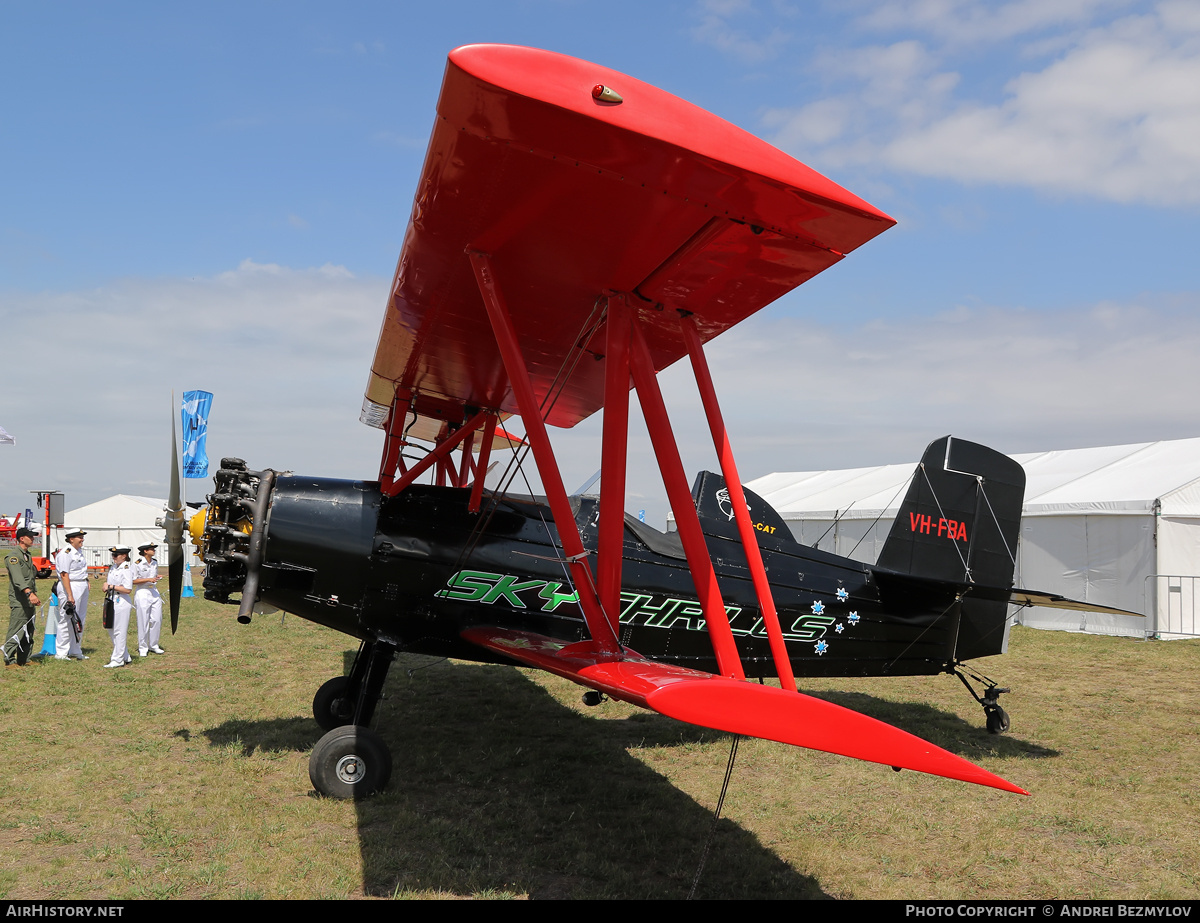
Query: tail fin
[958, 525]
[960, 519]
[714, 508]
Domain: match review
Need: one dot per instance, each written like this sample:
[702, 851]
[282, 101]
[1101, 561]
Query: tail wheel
[997, 717]
[350, 762]
[332, 707]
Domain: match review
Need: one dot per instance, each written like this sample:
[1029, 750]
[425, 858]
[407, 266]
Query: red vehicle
[8, 536]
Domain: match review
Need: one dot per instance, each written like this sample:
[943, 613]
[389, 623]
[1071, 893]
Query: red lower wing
[735, 706]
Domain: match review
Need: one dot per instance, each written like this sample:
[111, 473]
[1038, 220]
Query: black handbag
[110, 608]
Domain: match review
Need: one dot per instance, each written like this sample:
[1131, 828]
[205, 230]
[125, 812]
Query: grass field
[186, 776]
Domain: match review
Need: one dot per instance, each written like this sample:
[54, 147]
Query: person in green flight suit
[22, 600]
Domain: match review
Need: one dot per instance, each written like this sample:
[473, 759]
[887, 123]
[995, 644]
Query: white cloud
[285, 351]
[971, 21]
[900, 87]
[1116, 115]
[1109, 373]
[803, 396]
[728, 26]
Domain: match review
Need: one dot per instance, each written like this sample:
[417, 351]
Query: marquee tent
[1115, 525]
[118, 520]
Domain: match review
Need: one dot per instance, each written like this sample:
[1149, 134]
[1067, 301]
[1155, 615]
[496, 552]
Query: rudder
[960, 518]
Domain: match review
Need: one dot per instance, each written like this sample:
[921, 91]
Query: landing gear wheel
[997, 717]
[350, 762]
[997, 720]
[331, 706]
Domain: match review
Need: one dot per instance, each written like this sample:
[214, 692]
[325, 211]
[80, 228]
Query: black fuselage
[417, 569]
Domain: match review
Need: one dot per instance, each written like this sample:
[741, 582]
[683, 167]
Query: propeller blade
[174, 527]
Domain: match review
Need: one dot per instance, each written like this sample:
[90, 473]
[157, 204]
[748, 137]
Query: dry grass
[186, 776]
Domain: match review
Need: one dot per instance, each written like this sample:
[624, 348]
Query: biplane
[574, 232]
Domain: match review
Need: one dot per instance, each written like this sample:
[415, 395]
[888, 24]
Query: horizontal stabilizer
[734, 706]
[1054, 601]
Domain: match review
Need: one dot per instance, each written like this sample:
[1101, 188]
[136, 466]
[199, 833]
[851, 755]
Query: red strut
[716, 423]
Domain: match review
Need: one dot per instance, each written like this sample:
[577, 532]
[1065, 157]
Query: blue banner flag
[194, 415]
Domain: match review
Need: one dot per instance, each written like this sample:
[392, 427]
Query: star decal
[818, 607]
[852, 618]
[821, 647]
[839, 628]
[842, 595]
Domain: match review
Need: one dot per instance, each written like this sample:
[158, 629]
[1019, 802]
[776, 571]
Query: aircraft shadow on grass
[496, 787]
[943, 728]
[503, 788]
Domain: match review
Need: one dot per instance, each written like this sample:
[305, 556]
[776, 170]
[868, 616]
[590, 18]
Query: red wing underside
[571, 198]
[735, 706]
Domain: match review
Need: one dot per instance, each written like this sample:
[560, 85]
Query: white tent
[118, 520]
[1116, 525]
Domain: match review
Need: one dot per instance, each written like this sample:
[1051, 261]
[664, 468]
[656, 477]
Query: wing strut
[614, 455]
[601, 625]
[626, 356]
[716, 423]
[671, 467]
[481, 466]
[725, 702]
[393, 441]
[437, 456]
[394, 472]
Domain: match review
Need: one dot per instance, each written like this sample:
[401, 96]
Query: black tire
[997, 720]
[331, 707]
[350, 762]
[44, 573]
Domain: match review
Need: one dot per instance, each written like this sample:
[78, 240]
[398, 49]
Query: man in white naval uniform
[147, 601]
[120, 583]
[72, 588]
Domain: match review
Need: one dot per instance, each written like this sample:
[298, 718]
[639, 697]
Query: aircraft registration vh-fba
[574, 232]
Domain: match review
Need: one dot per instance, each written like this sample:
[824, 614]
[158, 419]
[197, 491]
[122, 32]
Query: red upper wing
[573, 197]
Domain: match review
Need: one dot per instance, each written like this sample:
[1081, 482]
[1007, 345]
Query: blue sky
[214, 197]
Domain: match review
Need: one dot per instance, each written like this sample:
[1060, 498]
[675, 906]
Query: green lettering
[675, 611]
[508, 588]
[554, 599]
[468, 585]
[809, 627]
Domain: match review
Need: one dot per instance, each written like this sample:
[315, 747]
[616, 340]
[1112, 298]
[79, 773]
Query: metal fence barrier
[1171, 606]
